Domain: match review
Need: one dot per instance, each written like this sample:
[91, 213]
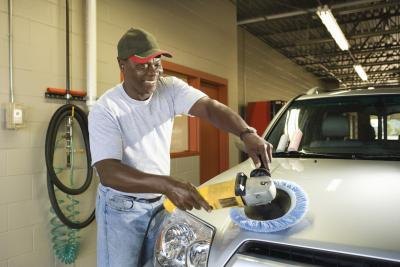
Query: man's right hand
[185, 196]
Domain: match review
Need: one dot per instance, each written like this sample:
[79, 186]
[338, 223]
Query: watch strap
[248, 130]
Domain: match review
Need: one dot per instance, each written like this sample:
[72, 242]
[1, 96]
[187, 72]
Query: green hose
[66, 241]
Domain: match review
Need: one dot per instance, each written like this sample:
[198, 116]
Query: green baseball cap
[140, 46]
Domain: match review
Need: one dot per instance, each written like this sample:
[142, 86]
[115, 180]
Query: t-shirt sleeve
[104, 135]
[184, 96]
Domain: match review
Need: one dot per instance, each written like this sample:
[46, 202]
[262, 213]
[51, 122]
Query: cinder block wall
[200, 34]
[265, 74]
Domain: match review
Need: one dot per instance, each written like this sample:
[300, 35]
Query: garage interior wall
[265, 74]
[194, 31]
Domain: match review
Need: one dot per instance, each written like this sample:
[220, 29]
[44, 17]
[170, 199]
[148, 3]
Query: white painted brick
[40, 110]
[41, 59]
[39, 186]
[3, 163]
[3, 218]
[86, 260]
[3, 99]
[24, 161]
[103, 10]
[34, 84]
[40, 11]
[60, 264]
[22, 56]
[14, 138]
[34, 259]
[43, 34]
[42, 238]
[15, 188]
[27, 213]
[108, 72]
[4, 27]
[185, 164]
[38, 134]
[189, 177]
[4, 79]
[3, 5]
[21, 30]
[16, 242]
[88, 239]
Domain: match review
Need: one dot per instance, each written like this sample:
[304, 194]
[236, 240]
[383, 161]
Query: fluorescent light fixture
[325, 14]
[361, 72]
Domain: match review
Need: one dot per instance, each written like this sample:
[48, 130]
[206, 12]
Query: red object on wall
[259, 114]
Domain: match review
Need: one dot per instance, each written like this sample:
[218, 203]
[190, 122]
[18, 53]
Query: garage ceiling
[292, 27]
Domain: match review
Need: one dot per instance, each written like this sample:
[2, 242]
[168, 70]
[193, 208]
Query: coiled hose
[65, 240]
[65, 227]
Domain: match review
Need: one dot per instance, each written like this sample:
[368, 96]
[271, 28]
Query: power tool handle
[240, 184]
[261, 171]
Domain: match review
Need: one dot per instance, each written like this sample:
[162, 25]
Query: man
[130, 134]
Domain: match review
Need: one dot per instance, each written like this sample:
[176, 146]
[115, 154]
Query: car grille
[310, 256]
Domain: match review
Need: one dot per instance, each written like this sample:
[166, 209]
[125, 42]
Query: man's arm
[226, 119]
[122, 177]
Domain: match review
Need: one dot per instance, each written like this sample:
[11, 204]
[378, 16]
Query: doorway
[204, 139]
[210, 143]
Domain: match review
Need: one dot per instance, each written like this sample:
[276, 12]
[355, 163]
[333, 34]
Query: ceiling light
[361, 72]
[325, 14]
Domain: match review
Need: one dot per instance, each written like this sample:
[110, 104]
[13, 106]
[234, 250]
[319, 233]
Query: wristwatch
[248, 130]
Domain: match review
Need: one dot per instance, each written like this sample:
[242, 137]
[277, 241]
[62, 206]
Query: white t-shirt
[139, 132]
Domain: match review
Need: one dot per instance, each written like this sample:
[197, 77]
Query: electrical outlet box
[14, 116]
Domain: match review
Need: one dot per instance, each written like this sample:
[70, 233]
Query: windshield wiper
[305, 154]
[375, 156]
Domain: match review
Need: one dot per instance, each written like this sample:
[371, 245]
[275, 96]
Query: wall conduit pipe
[91, 53]
[10, 50]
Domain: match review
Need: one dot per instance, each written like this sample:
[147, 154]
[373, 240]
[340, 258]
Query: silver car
[343, 149]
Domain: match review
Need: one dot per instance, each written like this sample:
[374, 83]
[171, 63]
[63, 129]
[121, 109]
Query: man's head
[139, 60]
[140, 46]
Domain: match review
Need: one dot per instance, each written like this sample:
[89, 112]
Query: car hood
[353, 208]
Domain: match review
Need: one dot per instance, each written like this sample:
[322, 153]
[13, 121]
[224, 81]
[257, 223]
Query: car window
[339, 125]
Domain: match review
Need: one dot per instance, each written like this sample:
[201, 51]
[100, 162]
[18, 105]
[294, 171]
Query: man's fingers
[201, 201]
[269, 151]
[255, 159]
[264, 158]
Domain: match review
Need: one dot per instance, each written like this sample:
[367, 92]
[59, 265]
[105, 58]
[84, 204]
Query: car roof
[356, 92]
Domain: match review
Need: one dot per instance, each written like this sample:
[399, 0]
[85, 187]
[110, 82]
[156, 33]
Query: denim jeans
[122, 224]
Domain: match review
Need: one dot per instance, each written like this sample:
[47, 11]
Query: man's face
[141, 79]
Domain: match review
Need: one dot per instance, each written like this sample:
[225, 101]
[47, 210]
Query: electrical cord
[63, 112]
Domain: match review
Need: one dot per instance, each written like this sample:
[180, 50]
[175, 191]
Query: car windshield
[362, 126]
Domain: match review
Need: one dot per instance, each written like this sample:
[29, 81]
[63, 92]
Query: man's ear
[121, 64]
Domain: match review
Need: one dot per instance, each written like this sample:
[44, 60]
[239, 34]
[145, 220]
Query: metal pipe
[91, 52]
[10, 51]
[68, 78]
[355, 36]
[379, 63]
[302, 12]
[357, 52]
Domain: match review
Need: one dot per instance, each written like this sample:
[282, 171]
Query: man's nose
[153, 68]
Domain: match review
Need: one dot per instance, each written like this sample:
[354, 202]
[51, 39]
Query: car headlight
[184, 240]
